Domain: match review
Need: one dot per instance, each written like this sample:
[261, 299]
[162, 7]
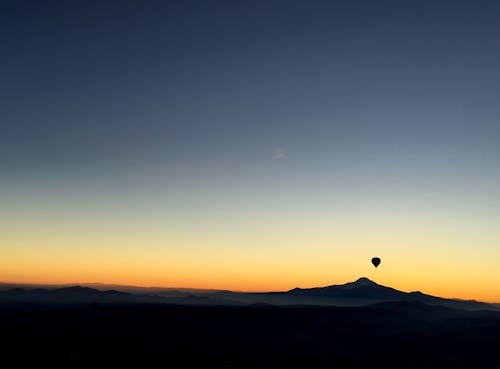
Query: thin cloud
[279, 154]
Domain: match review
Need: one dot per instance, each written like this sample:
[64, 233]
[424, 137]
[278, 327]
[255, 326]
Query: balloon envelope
[376, 261]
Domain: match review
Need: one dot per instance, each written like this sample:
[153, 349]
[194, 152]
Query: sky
[251, 145]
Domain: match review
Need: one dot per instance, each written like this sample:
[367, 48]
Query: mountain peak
[363, 281]
[362, 288]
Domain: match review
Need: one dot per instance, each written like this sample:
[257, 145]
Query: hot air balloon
[376, 261]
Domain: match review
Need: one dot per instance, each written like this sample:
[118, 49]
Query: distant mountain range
[358, 293]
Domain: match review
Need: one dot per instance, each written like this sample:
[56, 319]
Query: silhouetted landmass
[78, 294]
[369, 290]
[106, 286]
[387, 335]
[372, 326]
[358, 293]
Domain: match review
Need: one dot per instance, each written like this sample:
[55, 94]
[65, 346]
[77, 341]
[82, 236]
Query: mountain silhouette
[361, 292]
[80, 294]
[366, 289]
[63, 295]
[362, 288]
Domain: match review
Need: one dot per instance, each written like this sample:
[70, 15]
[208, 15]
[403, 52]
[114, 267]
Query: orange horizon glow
[257, 251]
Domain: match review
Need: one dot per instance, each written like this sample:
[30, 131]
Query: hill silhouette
[356, 325]
[366, 289]
[361, 292]
[361, 288]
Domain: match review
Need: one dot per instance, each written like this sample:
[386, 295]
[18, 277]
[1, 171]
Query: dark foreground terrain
[388, 335]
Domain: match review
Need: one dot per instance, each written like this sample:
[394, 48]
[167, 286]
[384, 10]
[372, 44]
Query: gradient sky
[251, 145]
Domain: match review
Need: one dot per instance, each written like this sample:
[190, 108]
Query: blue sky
[230, 115]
